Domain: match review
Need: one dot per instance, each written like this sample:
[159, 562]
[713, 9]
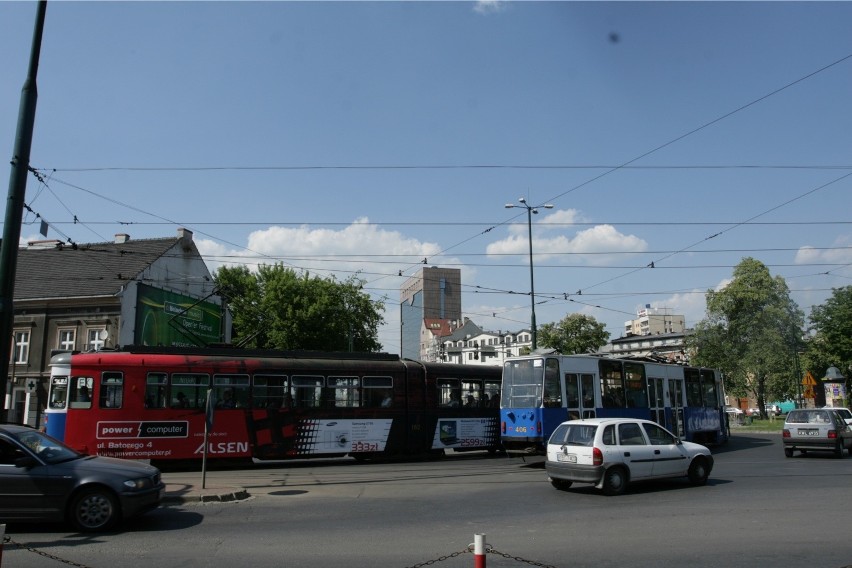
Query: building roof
[51, 269]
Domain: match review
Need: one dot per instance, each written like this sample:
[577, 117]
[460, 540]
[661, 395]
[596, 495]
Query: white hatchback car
[611, 452]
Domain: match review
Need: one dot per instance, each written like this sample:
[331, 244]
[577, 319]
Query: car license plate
[808, 432]
[570, 458]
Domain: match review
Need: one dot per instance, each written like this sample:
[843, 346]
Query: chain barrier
[8, 540]
[441, 558]
[491, 550]
[488, 550]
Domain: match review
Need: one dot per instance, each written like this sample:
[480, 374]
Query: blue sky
[366, 136]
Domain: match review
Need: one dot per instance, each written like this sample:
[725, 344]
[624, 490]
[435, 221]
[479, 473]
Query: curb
[226, 496]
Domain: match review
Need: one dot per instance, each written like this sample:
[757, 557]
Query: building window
[21, 350]
[66, 339]
[96, 339]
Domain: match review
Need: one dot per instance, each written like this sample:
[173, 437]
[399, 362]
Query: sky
[673, 139]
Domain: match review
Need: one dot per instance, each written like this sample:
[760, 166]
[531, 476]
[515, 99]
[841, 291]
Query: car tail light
[832, 434]
[538, 427]
[503, 426]
[786, 433]
[597, 456]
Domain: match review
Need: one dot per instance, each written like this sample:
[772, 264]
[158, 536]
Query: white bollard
[479, 551]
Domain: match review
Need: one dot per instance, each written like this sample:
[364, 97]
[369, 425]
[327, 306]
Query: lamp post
[530, 211]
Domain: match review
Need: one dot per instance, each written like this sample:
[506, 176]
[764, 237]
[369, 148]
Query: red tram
[149, 403]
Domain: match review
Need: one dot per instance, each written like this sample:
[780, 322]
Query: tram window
[492, 390]
[449, 393]
[112, 390]
[270, 391]
[612, 384]
[587, 390]
[471, 393]
[307, 391]
[189, 390]
[708, 381]
[635, 388]
[155, 390]
[572, 391]
[231, 391]
[693, 387]
[376, 390]
[81, 392]
[552, 391]
[58, 392]
[345, 391]
[522, 383]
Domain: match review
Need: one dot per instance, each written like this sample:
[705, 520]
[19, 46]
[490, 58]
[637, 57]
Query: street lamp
[530, 210]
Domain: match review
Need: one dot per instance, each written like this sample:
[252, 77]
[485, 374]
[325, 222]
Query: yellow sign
[809, 379]
[809, 392]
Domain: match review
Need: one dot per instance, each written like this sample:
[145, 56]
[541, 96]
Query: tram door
[676, 400]
[657, 398]
[580, 395]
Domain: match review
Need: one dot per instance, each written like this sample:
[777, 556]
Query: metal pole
[15, 204]
[479, 551]
[532, 282]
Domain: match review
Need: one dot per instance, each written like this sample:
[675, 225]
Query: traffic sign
[32, 385]
[809, 379]
[809, 392]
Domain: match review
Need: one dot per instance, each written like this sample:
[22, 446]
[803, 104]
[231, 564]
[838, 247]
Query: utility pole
[15, 205]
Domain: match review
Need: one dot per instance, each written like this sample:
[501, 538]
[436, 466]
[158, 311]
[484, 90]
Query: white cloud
[840, 253]
[583, 246]
[489, 6]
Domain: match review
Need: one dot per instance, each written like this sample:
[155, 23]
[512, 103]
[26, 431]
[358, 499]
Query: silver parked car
[612, 452]
[807, 429]
[41, 479]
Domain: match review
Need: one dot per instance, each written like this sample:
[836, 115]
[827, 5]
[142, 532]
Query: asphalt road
[758, 509]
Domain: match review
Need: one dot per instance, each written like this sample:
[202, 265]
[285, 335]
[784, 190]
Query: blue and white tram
[541, 391]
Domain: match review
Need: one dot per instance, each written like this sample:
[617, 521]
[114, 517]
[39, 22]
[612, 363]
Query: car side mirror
[26, 462]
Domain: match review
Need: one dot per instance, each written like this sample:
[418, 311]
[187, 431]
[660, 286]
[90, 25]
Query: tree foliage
[575, 333]
[752, 332]
[830, 343]
[278, 308]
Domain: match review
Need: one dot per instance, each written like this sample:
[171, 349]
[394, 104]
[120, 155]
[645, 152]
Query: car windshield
[46, 448]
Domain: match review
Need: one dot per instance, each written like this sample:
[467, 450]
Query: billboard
[174, 320]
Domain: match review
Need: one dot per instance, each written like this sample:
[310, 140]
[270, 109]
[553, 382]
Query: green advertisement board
[169, 319]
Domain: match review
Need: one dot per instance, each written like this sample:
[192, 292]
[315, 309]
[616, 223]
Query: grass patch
[758, 425]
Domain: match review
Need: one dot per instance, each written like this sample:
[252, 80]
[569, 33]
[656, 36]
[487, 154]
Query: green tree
[278, 308]
[830, 343]
[575, 333]
[752, 332]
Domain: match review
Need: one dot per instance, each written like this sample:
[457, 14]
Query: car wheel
[94, 510]
[788, 452]
[615, 481]
[561, 484]
[698, 472]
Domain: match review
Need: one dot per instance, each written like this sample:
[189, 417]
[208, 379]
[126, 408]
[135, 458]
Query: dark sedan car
[42, 479]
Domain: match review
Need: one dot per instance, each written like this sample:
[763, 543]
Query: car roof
[12, 428]
[601, 421]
